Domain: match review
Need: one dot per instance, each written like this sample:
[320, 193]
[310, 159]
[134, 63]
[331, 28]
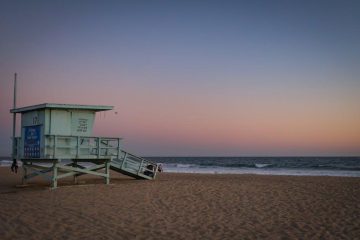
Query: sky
[192, 78]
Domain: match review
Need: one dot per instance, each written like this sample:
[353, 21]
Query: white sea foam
[261, 171]
[179, 165]
[262, 165]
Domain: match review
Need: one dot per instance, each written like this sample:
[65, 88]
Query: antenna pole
[14, 166]
[15, 90]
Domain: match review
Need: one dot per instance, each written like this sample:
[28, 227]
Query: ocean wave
[228, 165]
[185, 165]
[179, 165]
[336, 167]
[314, 166]
[263, 165]
[261, 171]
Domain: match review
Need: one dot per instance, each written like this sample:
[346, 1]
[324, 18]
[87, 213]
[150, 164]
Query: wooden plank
[37, 166]
[82, 170]
[39, 160]
[78, 173]
[41, 173]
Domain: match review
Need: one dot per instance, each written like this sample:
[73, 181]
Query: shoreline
[262, 172]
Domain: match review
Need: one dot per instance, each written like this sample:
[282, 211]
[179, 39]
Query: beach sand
[181, 206]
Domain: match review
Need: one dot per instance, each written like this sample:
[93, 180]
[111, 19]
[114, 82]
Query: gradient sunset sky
[192, 78]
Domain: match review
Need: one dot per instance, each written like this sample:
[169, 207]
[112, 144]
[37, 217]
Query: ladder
[134, 166]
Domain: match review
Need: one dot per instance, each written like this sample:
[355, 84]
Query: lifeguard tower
[56, 142]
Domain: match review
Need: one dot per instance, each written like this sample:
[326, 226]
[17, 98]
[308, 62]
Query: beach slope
[182, 206]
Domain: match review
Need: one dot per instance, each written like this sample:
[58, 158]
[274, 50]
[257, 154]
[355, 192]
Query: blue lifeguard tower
[56, 142]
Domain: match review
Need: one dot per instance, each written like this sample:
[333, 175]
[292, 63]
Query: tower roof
[95, 108]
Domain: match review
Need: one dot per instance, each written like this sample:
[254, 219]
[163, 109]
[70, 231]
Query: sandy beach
[181, 206]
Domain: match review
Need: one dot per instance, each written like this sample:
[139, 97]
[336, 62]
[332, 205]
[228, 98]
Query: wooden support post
[75, 179]
[156, 170]
[23, 181]
[107, 171]
[75, 165]
[54, 177]
[55, 146]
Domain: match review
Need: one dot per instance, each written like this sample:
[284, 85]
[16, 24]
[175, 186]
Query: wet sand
[181, 206]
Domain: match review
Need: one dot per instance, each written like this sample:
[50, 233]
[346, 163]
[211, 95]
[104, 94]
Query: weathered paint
[57, 119]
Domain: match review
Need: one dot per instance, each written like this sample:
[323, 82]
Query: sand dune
[182, 206]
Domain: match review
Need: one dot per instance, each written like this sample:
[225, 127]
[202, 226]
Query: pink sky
[165, 121]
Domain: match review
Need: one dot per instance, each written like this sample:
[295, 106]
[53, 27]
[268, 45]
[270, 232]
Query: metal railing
[81, 146]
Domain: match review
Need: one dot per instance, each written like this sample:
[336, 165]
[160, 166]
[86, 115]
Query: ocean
[302, 166]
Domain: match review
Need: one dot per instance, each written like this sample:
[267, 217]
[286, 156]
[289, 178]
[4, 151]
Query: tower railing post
[77, 146]
[98, 147]
[118, 148]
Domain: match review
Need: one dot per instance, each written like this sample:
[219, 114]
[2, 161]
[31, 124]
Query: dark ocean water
[314, 166]
[307, 166]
